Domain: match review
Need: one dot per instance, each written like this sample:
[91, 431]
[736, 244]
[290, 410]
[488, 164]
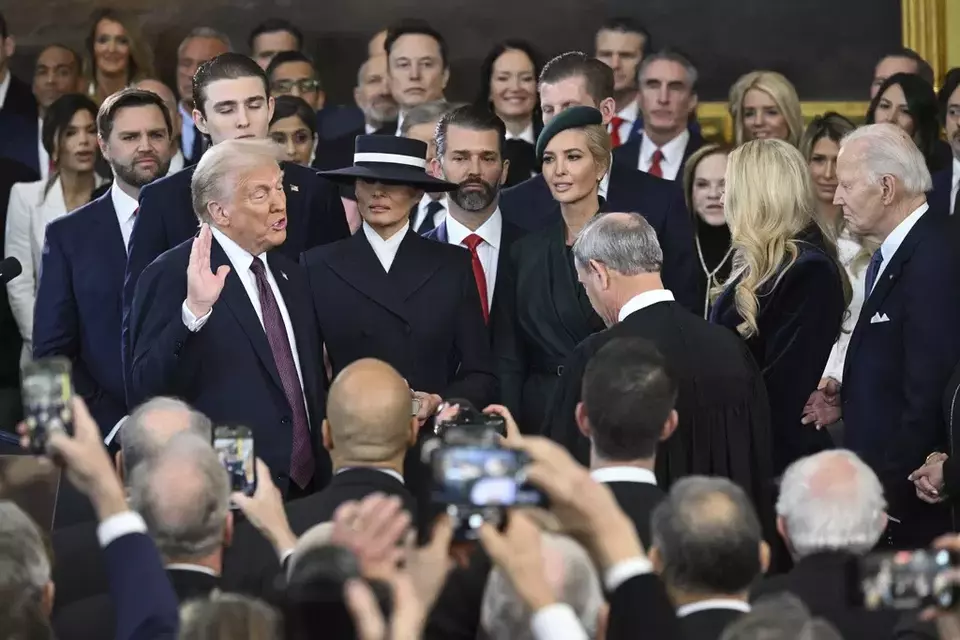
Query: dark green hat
[572, 118]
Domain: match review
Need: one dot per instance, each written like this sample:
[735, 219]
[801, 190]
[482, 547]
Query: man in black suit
[227, 326]
[573, 79]
[18, 109]
[420, 123]
[418, 65]
[232, 102]
[830, 512]
[668, 96]
[199, 46]
[183, 496]
[905, 345]
[470, 146]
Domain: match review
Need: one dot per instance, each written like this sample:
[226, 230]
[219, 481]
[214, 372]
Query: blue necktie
[872, 270]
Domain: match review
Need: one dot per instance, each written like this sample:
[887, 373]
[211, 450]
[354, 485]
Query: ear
[446, 77]
[418, 194]
[583, 422]
[505, 173]
[356, 97]
[321, 100]
[270, 106]
[218, 214]
[118, 461]
[325, 436]
[782, 528]
[103, 147]
[47, 598]
[601, 270]
[603, 615]
[201, 122]
[694, 103]
[9, 47]
[608, 108]
[889, 185]
[228, 530]
[764, 556]
[656, 559]
[670, 425]
[434, 168]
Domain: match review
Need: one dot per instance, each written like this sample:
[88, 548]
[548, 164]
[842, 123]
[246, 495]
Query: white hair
[504, 616]
[222, 167]
[316, 537]
[205, 32]
[886, 149]
[24, 563]
[624, 242]
[831, 501]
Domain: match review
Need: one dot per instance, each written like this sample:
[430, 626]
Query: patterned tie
[471, 242]
[655, 160]
[433, 208]
[615, 123]
[301, 457]
[872, 270]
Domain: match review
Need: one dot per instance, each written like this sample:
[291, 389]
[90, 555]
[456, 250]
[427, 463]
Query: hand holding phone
[235, 448]
[47, 391]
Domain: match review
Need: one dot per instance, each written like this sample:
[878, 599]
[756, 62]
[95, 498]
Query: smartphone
[235, 448]
[909, 579]
[47, 392]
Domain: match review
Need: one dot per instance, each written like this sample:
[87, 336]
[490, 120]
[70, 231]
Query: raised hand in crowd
[264, 509]
[203, 286]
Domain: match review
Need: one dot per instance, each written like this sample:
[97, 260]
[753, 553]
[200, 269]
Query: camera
[909, 579]
[459, 420]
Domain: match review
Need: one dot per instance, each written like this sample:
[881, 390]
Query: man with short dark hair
[946, 182]
[200, 45]
[273, 36]
[58, 71]
[418, 65]
[85, 254]
[621, 44]
[902, 60]
[572, 79]
[291, 73]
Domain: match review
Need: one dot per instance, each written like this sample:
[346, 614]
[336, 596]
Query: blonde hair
[769, 200]
[598, 144]
[784, 96]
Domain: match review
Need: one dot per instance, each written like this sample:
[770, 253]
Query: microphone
[9, 269]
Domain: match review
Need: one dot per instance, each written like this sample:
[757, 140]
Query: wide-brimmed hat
[570, 118]
[391, 160]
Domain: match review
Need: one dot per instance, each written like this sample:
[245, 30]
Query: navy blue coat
[78, 305]
[939, 196]
[19, 126]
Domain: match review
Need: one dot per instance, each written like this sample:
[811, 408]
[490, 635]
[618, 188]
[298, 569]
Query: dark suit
[628, 155]
[19, 126]
[799, 317]
[78, 570]
[638, 500]
[708, 624]
[522, 156]
[94, 617]
[226, 370]
[388, 129]
[314, 216]
[896, 372]
[78, 305]
[530, 206]
[640, 608]
[335, 121]
[144, 600]
[939, 197]
[337, 153]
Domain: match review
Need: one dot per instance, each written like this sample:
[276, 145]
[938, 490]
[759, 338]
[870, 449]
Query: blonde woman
[787, 292]
[116, 54]
[764, 104]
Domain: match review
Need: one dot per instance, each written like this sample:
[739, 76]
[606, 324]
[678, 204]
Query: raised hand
[203, 286]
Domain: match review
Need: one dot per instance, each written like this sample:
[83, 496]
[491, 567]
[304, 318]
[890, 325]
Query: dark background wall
[827, 47]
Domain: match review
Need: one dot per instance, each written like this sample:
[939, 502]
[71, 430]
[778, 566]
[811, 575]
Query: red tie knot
[472, 241]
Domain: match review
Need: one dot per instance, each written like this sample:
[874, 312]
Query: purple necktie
[301, 456]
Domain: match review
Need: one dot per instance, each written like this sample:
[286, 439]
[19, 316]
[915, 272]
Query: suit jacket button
[284, 420]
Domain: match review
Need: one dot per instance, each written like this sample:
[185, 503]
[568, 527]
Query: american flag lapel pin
[294, 187]
[284, 275]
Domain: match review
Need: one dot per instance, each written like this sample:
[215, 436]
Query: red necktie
[655, 168]
[615, 123]
[471, 242]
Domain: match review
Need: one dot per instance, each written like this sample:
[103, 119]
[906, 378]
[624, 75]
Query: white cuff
[557, 622]
[113, 432]
[122, 524]
[623, 571]
[192, 322]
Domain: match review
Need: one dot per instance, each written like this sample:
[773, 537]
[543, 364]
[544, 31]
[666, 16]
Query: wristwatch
[416, 406]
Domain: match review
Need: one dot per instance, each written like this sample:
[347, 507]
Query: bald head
[377, 45]
[152, 424]
[368, 414]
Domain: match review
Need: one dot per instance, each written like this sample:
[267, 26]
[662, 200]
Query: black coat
[708, 624]
[19, 127]
[638, 500]
[79, 570]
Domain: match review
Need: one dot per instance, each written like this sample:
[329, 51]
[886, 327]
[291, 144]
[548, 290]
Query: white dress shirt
[400, 117]
[955, 186]
[240, 260]
[847, 249]
[390, 472]
[187, 131]
[643, 300]
[629, 113]
[386, 250]
[624, 474]
[176, 163]
[422, 211]
[369, 129]
[184, 566]
[605, 183]
[42, 156]
[715, 603]
[672, 155]
[126, 208]
[119, 525]
[488, 250]
[4, 87]
[556, 621]
[526, 135]
[889, 247]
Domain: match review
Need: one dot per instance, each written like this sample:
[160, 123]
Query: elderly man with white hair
[906, 342]
[225, 323]
[25, 573]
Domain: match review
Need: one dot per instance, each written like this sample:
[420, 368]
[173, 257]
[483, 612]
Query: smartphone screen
[482, 477]
[47, 393]
[234, 447]
[908, 579]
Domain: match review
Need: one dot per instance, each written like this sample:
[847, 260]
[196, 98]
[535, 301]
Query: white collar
[956, 171]
[240, 258]
[605, 182]
[184, 566]
[526, 135]
[426, 199]
[489, 231]
[369, 129]
[716, 603]
[672, 151]
[631, 112]
[624, 474]
[643, 300]
[5, 87]
[896, 237]
[392, 243]
[400, 117]
[123, 204]
[390, 472]
[176, 163]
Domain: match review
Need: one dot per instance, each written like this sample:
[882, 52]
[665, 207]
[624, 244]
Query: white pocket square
[878, 318]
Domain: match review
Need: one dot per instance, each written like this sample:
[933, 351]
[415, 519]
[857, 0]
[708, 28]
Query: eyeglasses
[283, 87]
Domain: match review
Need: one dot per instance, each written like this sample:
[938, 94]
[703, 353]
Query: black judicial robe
[724, 427]
[551, 315]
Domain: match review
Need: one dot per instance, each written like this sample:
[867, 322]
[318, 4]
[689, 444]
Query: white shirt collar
[369, 129]
[644, 300]
[183, 566]
[176, 163]
[489, 231]
[386, 250]
[672, 151]
[4, 87]
[526, 135]
[896, 237]
[124, 205]
[605, 182]
[400, 116]
[716, 603]
[390, 472]
[956, 172]
[624, 474]
[630, 112]
[239, 257]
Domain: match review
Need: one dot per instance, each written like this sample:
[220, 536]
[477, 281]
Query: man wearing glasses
[291, 73]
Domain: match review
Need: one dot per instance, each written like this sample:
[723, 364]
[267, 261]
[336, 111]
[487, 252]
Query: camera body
[470, 423]
[906, 580]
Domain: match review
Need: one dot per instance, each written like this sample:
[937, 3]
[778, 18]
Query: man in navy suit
[575, 78]
[622, 44]
[224, 321]
[232, 101]
[81, 276]
[943, 199]
[905, 345]
[18, 109]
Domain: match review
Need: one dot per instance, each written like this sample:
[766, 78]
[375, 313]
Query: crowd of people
[730, 367]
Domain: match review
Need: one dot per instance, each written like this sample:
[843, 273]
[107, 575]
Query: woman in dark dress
[547, 312]
[787, 292]
[703, 179]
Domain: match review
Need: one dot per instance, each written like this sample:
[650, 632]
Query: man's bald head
[368, 414]
[152, 424]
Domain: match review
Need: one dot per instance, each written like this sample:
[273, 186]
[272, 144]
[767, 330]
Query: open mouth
[279, 225]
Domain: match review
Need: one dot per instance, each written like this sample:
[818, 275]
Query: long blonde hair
[777, 87]
[769, 201]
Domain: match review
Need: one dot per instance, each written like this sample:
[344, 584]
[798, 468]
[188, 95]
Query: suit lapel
[110, 238]
[357, 264]
[235, 297]
[441, 232]
[412, 266]
[573, 312]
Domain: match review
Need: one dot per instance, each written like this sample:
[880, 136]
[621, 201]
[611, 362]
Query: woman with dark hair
[508, 86]
[909, 102]
[70, 137]
[116, 54]
[294, 128]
